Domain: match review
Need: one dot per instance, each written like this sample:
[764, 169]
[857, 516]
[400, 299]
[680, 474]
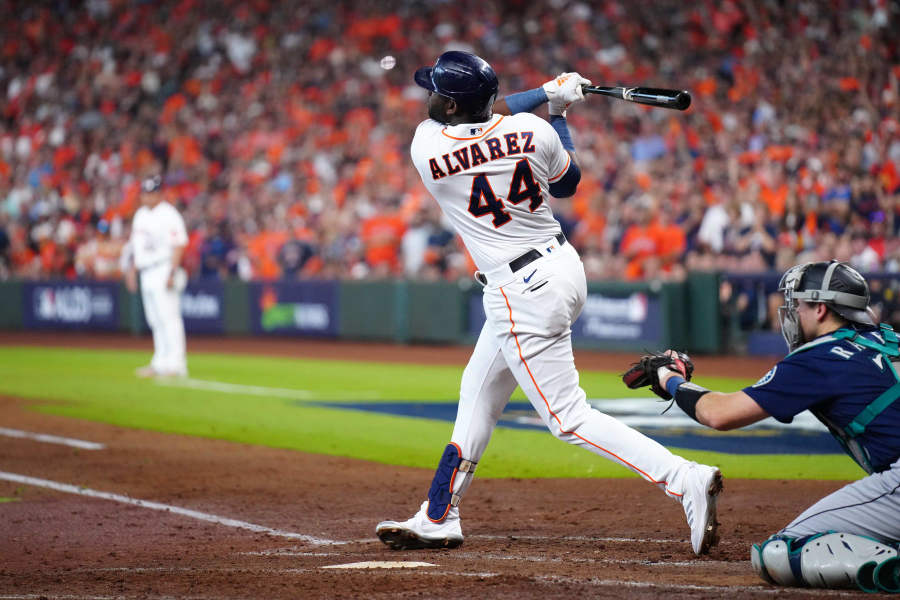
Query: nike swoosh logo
[527, 279]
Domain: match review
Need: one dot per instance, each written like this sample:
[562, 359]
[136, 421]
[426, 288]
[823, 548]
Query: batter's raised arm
[561, 92]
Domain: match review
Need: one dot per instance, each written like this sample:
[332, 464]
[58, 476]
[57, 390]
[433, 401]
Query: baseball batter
[493, 168]
[157, 243]
[841, 367]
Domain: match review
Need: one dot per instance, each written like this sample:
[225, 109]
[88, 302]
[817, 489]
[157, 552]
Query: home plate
[382, 564]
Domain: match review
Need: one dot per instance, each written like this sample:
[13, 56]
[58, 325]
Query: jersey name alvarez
[467, 157]
[492, 181]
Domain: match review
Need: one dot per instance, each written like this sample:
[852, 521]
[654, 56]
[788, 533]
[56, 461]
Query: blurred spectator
[286, 142]
[294, 255]
[217, 253]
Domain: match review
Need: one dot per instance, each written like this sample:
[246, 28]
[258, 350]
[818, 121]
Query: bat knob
[682, 100]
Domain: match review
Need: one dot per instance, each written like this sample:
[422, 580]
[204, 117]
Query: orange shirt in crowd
[263, 249]
[774, 198]
[381, 235]
[667, 242]
[638, 243]
[670, 243]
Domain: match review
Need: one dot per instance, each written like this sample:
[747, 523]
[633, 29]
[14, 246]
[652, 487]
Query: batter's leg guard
[452, 478]
[825, 560]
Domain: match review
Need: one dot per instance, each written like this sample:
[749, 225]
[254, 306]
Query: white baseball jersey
[155, 232]
[492, 181]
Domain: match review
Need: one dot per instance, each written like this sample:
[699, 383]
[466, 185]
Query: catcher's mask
[839, 286]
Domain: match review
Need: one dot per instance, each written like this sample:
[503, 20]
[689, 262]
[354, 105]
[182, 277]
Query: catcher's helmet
[464, 77]
[839, 286]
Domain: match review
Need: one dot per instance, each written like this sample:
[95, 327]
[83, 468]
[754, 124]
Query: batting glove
[563, 91]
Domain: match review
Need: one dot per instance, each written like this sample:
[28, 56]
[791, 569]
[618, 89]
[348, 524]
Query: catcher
[840, 368]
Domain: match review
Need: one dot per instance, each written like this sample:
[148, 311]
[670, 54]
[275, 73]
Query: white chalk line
[577, 538]
[551, 579]
[253, 569]
[210, 385]
[599, 560]
[295, 551]
[51, 439]
[724, 589]
[518, 557]
[194, 514]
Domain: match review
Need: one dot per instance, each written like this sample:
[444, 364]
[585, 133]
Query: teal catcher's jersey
[836, 379]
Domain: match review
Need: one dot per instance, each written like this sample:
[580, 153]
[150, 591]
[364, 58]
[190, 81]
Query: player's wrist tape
[558, 122]
[686, 394]
[526, 101]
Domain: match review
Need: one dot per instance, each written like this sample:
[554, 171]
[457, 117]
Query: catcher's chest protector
[886, 345]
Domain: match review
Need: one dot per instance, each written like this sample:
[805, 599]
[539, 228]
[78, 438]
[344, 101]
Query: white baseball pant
[162, 308]
[526, 340]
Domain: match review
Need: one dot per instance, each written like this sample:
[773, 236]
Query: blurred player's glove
[646, 371]
[563, 91]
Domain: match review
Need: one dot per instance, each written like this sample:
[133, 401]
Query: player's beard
[437, 108]
[437, 113]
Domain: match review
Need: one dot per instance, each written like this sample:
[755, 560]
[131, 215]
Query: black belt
[531, 256]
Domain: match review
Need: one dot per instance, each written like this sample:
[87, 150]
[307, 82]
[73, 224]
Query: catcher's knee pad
[452, 477]
[824, 560]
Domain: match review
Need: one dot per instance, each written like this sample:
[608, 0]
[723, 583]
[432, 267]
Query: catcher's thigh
[867, 507]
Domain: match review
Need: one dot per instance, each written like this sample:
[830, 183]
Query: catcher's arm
[723, 411]
[668, 374]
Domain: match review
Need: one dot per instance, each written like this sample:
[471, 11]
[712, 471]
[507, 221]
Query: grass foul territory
[273, 401]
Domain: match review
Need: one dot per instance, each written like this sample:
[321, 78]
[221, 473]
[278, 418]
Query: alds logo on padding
[766, 378]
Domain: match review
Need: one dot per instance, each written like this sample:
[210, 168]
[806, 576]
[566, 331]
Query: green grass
[99, 385]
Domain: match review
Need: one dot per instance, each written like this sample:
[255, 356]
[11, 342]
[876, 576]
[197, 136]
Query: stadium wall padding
[704, 334]
[618, 316]
[12, 301]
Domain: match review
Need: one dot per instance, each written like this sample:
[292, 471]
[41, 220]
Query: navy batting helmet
[464, 77]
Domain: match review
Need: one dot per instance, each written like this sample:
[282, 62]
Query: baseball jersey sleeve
[793, 385]
[177, 232]
[551, 150]
[422, 141]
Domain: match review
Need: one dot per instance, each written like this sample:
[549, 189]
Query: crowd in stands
[285, 137]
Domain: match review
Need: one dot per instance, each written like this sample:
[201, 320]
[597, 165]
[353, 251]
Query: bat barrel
[666, 98]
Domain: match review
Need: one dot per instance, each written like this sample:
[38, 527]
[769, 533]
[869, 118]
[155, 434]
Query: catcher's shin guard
[452, 477]
[826, 560]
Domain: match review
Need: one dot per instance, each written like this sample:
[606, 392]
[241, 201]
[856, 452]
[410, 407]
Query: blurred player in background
[492, 168]
[157, 243]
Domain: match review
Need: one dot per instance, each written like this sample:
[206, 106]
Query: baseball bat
[677, 99]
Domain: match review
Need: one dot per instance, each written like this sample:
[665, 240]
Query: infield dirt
[571, 538]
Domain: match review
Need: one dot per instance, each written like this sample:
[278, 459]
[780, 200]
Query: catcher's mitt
[645, 371]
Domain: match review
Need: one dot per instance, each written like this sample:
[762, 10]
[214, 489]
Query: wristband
[672, 384]
[526, 101]
[686, 397]
[558, 122]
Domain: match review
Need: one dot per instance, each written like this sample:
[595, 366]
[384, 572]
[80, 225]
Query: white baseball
[388, 62]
